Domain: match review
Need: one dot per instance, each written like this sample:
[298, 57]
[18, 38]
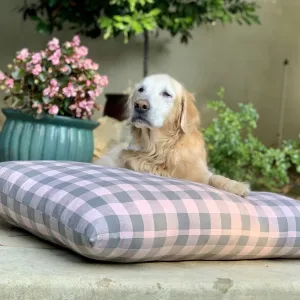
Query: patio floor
[32, 269]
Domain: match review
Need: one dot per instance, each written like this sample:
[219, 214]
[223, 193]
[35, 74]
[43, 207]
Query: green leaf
[18, 74]
[66, 105]
[107, 34]
[42, 77]
[30, 80]
[52, 3]
[154, 12]
[44, 28]
[17, 87]
[63, 80]
[148, 27]
[137, 27]
[132, 4]
[104, 22]
[46, 100]
[119, 18]
[17, 101]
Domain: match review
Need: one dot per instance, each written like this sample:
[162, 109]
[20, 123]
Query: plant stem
[146, 53]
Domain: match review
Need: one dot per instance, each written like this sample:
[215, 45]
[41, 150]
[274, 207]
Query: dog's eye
[166, 94]
[141, 89]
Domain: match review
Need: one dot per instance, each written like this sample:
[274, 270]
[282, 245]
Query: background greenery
[236, 152]
[127, 18]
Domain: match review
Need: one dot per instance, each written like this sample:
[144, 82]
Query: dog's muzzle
[141, 106]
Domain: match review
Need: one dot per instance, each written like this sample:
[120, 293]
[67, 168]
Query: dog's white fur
[166, 140]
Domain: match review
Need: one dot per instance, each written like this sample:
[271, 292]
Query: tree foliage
[127, 18]
[112, 18]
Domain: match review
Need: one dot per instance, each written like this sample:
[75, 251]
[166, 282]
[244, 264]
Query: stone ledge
[32, 269]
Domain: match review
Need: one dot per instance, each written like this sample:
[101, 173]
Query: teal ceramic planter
[51, 138]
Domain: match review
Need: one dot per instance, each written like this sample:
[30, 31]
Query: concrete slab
[32, 269]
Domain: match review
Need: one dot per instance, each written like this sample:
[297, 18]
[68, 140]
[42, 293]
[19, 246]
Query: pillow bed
[118, 215]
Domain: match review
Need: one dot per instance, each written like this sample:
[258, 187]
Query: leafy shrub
[234, 151]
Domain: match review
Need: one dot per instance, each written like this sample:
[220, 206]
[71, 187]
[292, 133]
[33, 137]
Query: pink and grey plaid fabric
[118, 215]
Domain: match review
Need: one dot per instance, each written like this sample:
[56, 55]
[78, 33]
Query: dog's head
[160, 101]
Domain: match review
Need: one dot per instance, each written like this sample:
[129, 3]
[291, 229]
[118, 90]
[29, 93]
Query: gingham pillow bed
[118, 215]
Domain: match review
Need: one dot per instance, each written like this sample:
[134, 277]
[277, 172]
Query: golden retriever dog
[166, 137]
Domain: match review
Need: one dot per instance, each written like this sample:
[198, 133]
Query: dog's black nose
[141, 106]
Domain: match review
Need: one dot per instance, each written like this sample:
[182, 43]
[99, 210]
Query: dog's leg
[203, 175]
[228, 185]
[139, 162]
[112, 157]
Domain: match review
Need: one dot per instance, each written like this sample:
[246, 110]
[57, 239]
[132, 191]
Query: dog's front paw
[238, 188]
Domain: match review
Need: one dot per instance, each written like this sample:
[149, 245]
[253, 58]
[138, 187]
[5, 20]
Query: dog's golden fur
[177, 149]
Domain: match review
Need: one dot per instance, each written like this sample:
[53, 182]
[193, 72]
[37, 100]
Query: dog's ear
[128, 109]
[189, 116]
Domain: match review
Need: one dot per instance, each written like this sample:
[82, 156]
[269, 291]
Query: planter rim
[56, 120]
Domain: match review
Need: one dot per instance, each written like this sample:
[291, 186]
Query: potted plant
[135, 17]
[51, 94]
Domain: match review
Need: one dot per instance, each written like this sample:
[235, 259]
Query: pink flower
[87, 105]
[81, 51]
[78, 112]
[51, 90]
[75, 107]
[88, 83]
[38, 106]
[87, 64]
[101, 80]
[53, 44]
[69, 90]
[91, 94]
[46, 91]
[2, 76]
[98, 92]
[76, 41]
[54, 82]
[54, 91]
[53, 110]
[97, 79]
[104, 81]
[65, 69]
[9, 83]
[95, 67]
[37, 70]
[29, 67]
[36, 58]
[23, 54]
[55, 57]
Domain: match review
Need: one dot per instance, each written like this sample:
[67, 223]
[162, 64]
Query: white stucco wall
[247, 61]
